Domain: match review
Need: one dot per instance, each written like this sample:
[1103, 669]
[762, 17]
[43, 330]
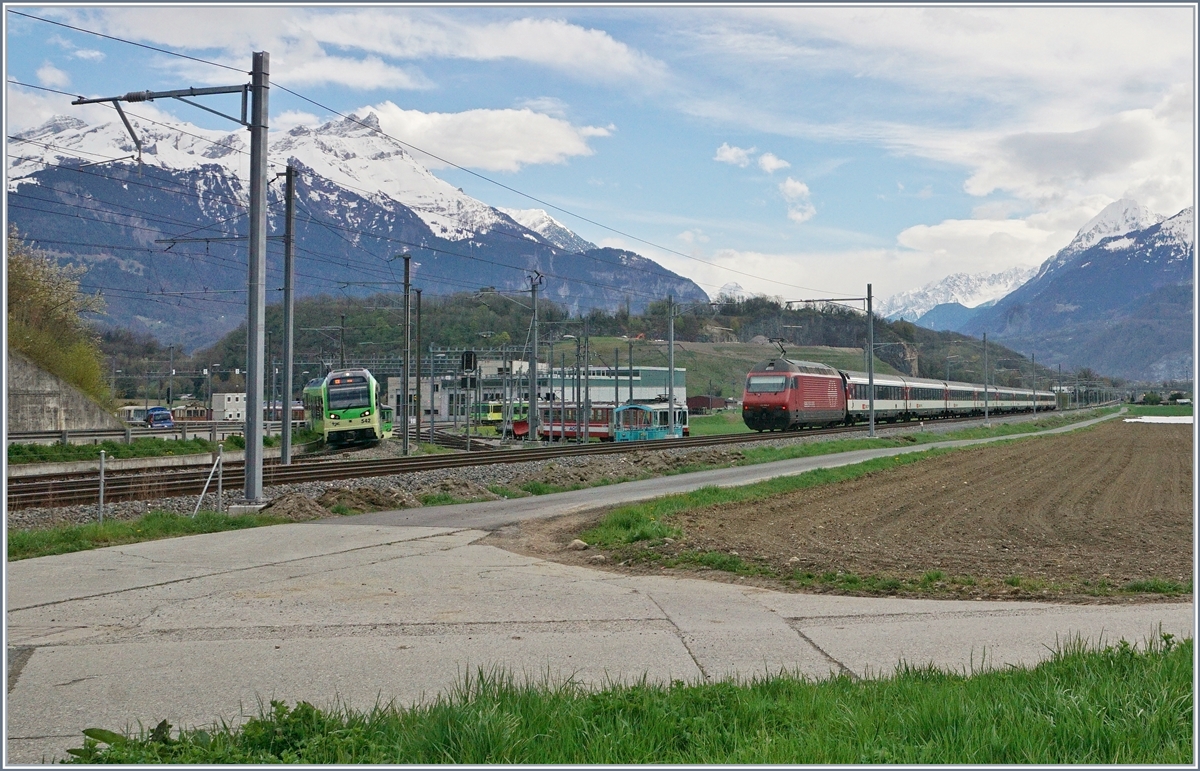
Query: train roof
[350, 372]
[789, 365]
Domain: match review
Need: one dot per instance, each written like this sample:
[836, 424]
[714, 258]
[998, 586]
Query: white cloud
[771, 163]
[693, 237]
[369, 42]
[288, 120]
[88, 54]
[49, 75]
[496, 140]
[799, 200]
[733, 155]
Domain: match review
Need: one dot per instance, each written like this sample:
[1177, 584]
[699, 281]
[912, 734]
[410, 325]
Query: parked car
[159, 417]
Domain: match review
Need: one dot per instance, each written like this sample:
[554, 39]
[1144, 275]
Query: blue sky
[820, 147]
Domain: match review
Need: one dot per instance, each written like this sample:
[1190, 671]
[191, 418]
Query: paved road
[386, 606]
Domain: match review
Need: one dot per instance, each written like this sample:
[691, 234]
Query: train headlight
[366, 413]
[334, 416]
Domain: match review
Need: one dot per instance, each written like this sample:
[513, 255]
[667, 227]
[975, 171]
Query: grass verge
[1086, 704]
[645, 521]
[23, 544]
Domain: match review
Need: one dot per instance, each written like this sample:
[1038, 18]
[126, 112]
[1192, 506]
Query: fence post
[128, 435]
[102, 487]
[65, 439]
[220, 478]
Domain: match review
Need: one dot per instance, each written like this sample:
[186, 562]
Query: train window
[758, 384]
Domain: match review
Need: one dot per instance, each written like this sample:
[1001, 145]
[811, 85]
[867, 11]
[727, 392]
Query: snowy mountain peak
[540, 222]
[969, 290]
[733, 291]
[1182, 225]
[349, 152]
[1118, 218]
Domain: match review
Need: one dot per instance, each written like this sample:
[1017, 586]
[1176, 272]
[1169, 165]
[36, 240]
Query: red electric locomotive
[782, 394]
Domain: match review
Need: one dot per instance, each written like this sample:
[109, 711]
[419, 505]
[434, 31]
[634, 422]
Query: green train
[345, 407]
[492, 413]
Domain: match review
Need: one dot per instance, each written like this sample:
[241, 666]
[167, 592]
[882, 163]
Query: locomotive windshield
[758, 384]
[349, 397]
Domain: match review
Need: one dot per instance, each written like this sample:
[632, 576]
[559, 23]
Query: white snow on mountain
[970, 290]
[1181, 227]
[540, 222]
[734, 291]
[1116, 219]
[346, 152]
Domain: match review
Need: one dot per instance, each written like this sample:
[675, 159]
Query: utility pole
[417, 380]
[986, 387]
[255, 93]
[671, 366]
[587, 384]
[1033, 378]
[342, 344]
[171, 378]
[534, 282]
[407, 354]
[270, 396]
[870, 363]
[289, 340]
[631, 372]
[616, 377]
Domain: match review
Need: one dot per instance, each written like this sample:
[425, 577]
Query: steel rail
[83, 487]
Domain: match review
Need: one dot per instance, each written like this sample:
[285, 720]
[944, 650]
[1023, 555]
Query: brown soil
[1073, 516]
[363, 499]
[295, 507]
[459, 489]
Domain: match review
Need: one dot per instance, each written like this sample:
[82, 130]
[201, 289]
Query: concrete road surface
[377, 607]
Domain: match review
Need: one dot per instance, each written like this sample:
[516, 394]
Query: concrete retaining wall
[40, 401]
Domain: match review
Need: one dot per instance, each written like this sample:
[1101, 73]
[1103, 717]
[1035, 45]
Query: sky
[799, 151]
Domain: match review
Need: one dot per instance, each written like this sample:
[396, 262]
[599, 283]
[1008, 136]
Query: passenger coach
[782, 394]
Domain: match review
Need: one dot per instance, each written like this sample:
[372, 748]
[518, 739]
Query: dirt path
[1070, 516]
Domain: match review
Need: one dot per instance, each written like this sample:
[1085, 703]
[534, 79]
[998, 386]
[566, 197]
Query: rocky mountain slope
[362, 200]
[1120, 303]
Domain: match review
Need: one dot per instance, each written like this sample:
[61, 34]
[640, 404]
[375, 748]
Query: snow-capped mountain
[540, 222]
[361, 200]
[1118, 218]
[349, 152]
[1122, 306]
[968, 290]
[734, 291]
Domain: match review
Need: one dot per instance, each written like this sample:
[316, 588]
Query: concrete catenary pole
[256, 321]
[670, 366]
[870, 364]
[402, 408]
[534, 281]
[986, 387]
[418, 378]
[289, 317]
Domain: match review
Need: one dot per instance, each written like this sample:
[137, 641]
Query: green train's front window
[349, 397]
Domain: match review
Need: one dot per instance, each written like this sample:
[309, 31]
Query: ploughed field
[1100, 514]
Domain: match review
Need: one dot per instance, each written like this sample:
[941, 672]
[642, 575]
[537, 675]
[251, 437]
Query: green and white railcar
[345, 408]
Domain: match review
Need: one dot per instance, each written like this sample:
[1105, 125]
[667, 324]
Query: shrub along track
[1071, 516]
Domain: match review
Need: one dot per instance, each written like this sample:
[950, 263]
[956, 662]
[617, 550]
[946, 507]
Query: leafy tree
[45, 317]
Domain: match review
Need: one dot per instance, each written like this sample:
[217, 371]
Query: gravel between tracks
[468, 483]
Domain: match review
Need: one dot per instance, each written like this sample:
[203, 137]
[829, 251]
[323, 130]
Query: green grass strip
[23, 544]
[645, 520]
[1086, 704]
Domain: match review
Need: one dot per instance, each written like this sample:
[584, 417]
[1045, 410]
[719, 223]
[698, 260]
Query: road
[401, 605]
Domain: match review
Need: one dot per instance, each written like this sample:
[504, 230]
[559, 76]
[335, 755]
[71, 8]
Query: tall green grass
[64, 539]
[1086, 704]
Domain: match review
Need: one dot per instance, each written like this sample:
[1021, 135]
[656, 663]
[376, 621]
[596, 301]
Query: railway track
[82, 488]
